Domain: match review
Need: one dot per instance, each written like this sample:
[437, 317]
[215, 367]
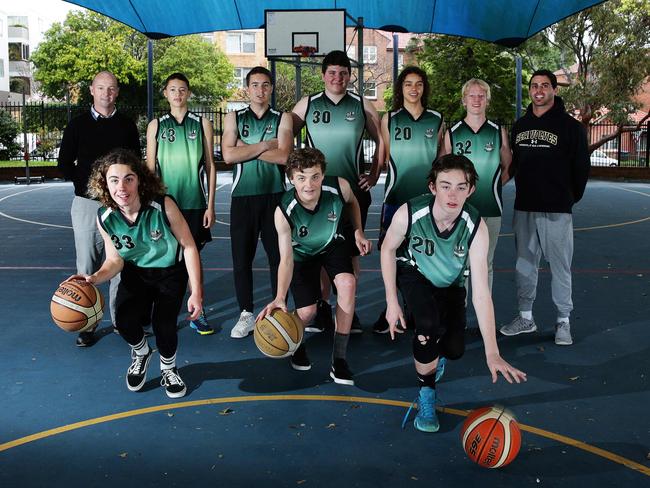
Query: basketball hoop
[305, 51]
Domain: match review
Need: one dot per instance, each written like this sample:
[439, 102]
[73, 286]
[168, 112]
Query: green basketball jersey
[441, 257]
[413, 148]
[312, 231]
[336, 129]
[257, 177]
[180, 160]
[483, 148]
[148, 242]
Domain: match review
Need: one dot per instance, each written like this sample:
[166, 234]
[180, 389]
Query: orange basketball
[491, 437]
[77, 306]
[279, 334]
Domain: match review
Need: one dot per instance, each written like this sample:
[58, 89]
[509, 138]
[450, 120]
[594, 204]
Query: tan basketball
[77, 306]
[279, 334]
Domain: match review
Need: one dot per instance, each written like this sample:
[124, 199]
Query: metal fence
[42, 127]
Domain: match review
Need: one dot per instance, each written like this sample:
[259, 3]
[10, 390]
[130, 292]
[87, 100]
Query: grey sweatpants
[552, 235]
[88, 242]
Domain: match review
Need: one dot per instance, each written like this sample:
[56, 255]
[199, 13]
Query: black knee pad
[425, 351]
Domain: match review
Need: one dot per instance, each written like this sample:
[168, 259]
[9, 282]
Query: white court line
[29, 221]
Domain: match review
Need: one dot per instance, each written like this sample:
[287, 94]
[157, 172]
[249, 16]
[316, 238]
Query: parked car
[599, 158]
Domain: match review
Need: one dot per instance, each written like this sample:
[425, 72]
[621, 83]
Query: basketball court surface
[67, 418]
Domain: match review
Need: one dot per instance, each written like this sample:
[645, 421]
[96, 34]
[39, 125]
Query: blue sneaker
[440, 369]
[201, 325]
[426, 419]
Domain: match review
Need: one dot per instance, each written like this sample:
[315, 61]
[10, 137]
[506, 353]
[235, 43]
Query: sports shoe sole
[176, 395]
[563, 343]
[314, 329]
[201, 332]
[510, 334]
[238, 335]
[381, 331]
[341, 381]
[144, 377]
[299, 367]
[426, 429]
[356, 331]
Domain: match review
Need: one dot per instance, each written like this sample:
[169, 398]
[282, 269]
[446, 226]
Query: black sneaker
[381, 326]
[323, 320]
[355, 328]
[340, 373]
[300, 360]
[86, 339]
[137, 372]
[173, 383]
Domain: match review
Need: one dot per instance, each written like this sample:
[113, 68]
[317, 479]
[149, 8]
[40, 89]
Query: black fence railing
[42, 125]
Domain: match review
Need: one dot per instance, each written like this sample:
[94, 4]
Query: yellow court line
[332, 398]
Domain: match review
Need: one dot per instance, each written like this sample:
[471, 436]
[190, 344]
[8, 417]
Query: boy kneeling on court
[308, 222]
[426, 251]
[146, 239]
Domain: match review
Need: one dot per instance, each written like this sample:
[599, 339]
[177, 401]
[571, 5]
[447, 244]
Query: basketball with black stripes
[491, 437]
[77, 306]
[279, 334]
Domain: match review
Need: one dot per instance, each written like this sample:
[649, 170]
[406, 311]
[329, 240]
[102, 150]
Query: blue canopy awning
[505, 22]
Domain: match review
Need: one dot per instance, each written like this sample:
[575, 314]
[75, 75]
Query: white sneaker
[563, 334]
[244, 326]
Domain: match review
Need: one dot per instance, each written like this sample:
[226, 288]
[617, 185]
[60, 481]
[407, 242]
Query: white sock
[142, 348]
[167, 363]
[527, 315]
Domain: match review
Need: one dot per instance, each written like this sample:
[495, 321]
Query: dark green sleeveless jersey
[180, 160]
[483, 148]
[147, 243]
[440, 257]
[313, 231]
[413, 148]
[257, 177]
[337, 131]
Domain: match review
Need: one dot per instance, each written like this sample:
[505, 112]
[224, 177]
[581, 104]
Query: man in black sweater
[86, 138]
[551, 167]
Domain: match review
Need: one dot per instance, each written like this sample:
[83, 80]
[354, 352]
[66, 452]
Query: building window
[18, 51]
[240, 77]
[370, 90]
[370, 54]
[352, 52]
[240, 42]
[2, 68]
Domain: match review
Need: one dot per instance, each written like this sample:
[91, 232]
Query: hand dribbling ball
[491, 437]
[279, 334]
[77, 306]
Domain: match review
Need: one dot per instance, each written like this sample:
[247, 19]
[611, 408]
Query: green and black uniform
[413, 148]
[483, 148]
[336, 129]
[317, 241]
[154, 277]
[256, 191]
[431, 271]
[181, 164]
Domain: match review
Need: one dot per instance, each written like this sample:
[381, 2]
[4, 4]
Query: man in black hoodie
[551, 167]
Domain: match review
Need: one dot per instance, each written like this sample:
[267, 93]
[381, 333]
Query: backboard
[298, 32]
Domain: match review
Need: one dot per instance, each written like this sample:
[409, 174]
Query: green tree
[285, 84]
[609, 61]
[86, 43]
[8, 133]
[451, 61]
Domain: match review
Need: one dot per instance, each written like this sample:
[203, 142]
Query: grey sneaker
[519, 325]
[563, 334]
[244, 325]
